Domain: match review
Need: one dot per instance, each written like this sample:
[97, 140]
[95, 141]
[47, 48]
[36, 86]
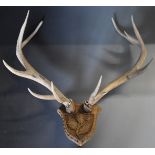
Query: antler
[137, 68]
[32, 74]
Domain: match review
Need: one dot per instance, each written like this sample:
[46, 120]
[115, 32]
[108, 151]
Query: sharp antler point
[101, 77]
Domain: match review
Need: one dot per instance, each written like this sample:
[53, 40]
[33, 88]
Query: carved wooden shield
[80, 125]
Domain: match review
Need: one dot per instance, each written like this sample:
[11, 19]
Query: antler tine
[24, 43]
[135, 70]
[42, 97]
[31, 73]
[19, 51]
[94, 93]
[125, 34]
[89, 103]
